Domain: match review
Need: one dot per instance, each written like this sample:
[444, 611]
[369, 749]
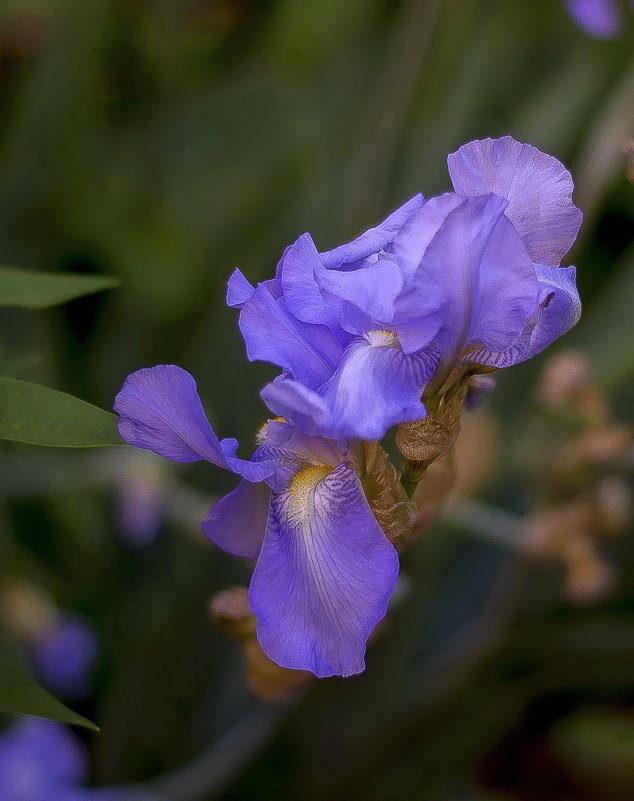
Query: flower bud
[385, 493]
[230, 611]
[424, 441]
[567, 380]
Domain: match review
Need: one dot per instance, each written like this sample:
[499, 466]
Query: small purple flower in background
[43, 761]
[141, 498]
[601, 19]
[65, 653]
[466, 282]
[325, 569]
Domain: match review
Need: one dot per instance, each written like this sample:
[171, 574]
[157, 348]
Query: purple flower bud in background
[601, 19]
[477, 388]
[41, 760]
[464, 281]
[141, 499]
[65, 653]
[325, 569]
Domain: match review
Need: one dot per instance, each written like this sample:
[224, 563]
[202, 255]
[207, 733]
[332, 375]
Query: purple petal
[298, 270]
[239, 290]
[372, 289]
[601, 19]
[315, 294]
[536, 185]
[160, 410]
[476, 284]
[375, 387]
[297, 403]
[374, 239]
[413, 239]
[236, 523]
[272, 334]
[559, 309]
[324, 575]
[65, 655]
[308, 448]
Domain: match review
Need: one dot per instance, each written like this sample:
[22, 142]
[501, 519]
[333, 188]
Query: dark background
[168, 141]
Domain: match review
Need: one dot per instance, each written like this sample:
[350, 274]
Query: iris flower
[325, 569]
[463, 283]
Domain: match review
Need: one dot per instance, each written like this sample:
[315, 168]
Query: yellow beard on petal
[380, 338]
[260, 436]
[300, 490]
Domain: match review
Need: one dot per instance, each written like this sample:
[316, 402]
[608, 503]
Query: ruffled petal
[298, 269]
[376, 386]
[476, 284]
[159, 409]
[272, 334]
[315, 294]
[536, 185]
[372, 289]
[374, 239]
[558, 310]
[324, 575]
[239, 290]
[236, 523]
[297, 403]
[412, 240]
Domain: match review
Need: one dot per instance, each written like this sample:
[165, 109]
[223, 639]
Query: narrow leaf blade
[37, 290]
[39, 415]
[21, 695]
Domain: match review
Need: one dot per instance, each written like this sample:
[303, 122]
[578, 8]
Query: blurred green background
[168, 141]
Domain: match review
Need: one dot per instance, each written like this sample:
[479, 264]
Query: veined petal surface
[324, 575]
[537, 186]
[476, 283]
[236, 523]
[376, 386]
[159, 409]
[558, 310]
[273, 334]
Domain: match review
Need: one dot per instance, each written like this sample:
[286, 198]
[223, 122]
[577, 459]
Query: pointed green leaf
[42, 416]
[20, 694]
[36, 290]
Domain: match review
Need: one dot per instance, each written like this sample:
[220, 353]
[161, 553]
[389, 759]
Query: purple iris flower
[65, 654]
[602, 19]
[42, 761]
[465, 282]
[325, 569]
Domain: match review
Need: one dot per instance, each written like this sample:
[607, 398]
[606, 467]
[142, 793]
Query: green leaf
[35, 290]
[20, 694]
[42, 416]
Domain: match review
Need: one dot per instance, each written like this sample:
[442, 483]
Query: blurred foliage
[166, 141]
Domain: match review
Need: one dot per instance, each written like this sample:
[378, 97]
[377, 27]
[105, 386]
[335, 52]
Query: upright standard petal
[374, 239]
[236, 523]
[159, 409]
[324, 575]
[536, 185]
[476, 284]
